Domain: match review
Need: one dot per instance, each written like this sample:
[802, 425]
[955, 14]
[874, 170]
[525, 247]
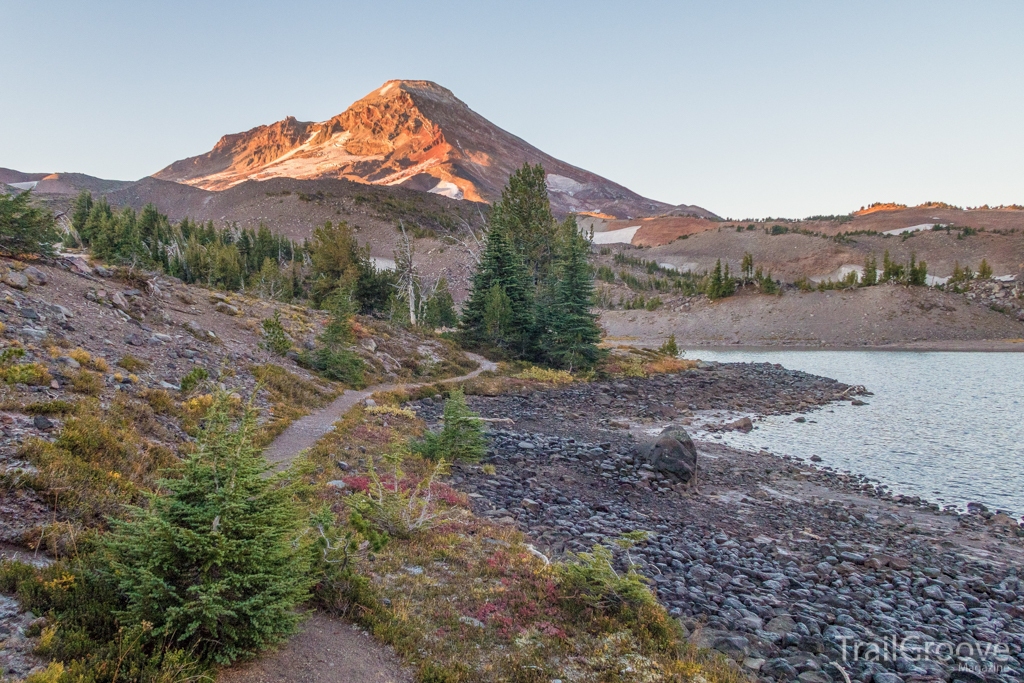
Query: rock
[36, 276]
[781, 625]
[33, 333]
[857, 402]
[779, 669]
[801, 418]
[743, 424]
[161, 337]
[471, 621]
[530, 504]
[168, 385]
[42, 422]
[118, 300]
[526, 446]
[135, 340]
[369, 403]
[815, 677]
[369, 344]
[672, 455]
[227, 309]
[342, 465]
[735, 647]
[15, 280]
[753, 663]
[337, 484]
[885, 677]
[69, 362]
[815, 458]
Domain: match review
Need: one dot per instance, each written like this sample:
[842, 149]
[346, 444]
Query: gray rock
[885, 677]
[36, 276]
[337, 484]
[815, 677]
[118, 300]
[741, 425]
[227, 309]
[672, 455]
[781, 625]
[15, 280]
[69, 362]
[779, 669]
[42, 422]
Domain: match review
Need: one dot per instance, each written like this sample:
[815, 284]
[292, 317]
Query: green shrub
[131, 363]
[275, 339]
[26, 373]
[86, 382]
[193, 378]
[461, 438]
[589, 582]
[669, 348]
[216, 565]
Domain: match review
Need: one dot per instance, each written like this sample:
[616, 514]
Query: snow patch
[31, 185]
[620, 236]
[559, 183]
[912, 228]
[381, 263]
[841, 272]
[385, 89]
[447, 188]
[932, 280]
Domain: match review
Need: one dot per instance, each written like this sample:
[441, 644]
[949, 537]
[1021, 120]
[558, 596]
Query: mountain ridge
[416, 134]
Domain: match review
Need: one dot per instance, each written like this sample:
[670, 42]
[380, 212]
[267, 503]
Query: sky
[750, 109]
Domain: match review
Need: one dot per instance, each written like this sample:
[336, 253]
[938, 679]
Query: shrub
[461, 438]
[669, 348]
[132, 364]
[589, 582]
[89, 361]
[395, 506]
[275, 339]
[193, 378]
[546, 375]
[85, 382]
[216, 564]
[984, 270]
[26, 373]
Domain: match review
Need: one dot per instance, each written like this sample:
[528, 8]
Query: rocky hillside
[415, 134]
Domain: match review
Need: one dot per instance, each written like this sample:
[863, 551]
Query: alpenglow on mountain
[411, 133]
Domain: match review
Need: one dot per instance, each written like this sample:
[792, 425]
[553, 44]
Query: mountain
[416, 134]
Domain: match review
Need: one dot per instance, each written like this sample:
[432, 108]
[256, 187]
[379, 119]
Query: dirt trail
[305, 432]
[326, 649]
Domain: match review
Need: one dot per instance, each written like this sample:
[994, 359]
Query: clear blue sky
[746, 108]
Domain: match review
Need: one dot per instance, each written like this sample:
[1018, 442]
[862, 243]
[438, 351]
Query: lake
[948, 427]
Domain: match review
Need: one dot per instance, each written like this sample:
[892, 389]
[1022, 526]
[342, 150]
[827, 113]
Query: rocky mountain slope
[416, 134]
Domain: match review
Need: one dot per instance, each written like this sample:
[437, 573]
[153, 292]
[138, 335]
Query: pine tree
[25, 229]
[870, 276]
[215, 564]
[984, 270]
[439, 310]
[500, 276]
[572, 336]
[524, 212]
[461, 437]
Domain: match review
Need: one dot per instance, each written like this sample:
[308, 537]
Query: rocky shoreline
[790, 569]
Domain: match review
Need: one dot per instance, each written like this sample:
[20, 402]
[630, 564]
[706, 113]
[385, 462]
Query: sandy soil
[884, 316]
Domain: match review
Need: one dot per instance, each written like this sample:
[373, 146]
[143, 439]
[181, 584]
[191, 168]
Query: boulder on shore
[672, 455]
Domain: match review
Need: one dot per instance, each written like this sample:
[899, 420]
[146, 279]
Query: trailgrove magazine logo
[973, 656]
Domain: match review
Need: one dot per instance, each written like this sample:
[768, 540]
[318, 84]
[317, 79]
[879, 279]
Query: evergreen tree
[499, 308]
[215, 565]
[439, 310]
[720, 285]
[80, 210]
[984, 270]
[572, 335]
[870, 276]
[461, 437]
[524, 212]
[25, 229]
